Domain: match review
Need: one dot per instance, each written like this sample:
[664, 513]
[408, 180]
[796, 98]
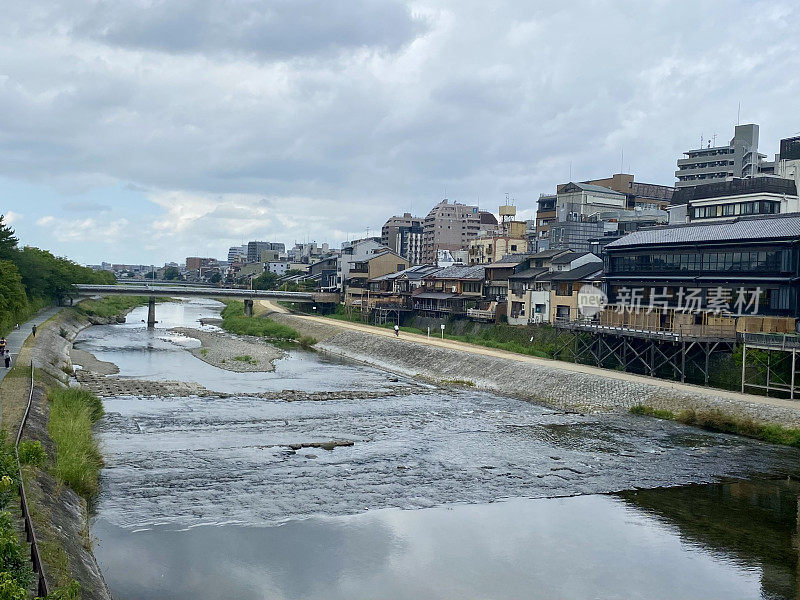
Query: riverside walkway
[17, 337]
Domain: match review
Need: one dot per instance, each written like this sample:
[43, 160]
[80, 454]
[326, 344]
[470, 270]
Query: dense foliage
[31, 278]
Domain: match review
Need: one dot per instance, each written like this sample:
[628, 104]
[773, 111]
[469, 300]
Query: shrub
[31, 452]
[649, 411]
[14, 561]
[306, 342]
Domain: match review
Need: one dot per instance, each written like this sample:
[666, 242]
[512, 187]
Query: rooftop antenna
[738, 112]
[701, 139]
[715, 140]
[621, 160]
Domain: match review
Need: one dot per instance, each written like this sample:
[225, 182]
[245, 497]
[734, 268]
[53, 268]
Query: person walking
[397, 330]
[2, 345]
[7, 357]
[33, 329]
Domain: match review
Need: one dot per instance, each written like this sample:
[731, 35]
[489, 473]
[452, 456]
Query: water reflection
[755, 524]
[581, 547]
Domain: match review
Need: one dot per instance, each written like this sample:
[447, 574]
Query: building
[450, 291]
[237, 253]
[507, 237]
[545, 215]
[450, 226]
[264, 251]
[713, 164]
[638, 195]
[307, 252]
[195, 263]
[364, 269]
[733, 198]
[325, 273]
[403, 235]
[751, 258]
[277, 267]
[355, 252]
[787, 163]
[547, 288]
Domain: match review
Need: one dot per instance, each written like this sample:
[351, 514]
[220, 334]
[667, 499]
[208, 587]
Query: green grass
[110, 306]
[717, 420]
[234, 321]
[246, 358]
[649, 411]
[77, 460]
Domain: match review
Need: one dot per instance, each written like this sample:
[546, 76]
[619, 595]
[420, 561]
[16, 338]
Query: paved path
[434, 340]
[17, 337]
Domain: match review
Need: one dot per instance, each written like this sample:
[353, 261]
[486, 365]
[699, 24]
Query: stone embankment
[565, 386]
[60, 515]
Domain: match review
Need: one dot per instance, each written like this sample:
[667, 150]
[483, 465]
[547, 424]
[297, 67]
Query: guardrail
[30, 534]
[680, 331]
[776, 341]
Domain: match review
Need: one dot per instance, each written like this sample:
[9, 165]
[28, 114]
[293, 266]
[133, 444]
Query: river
[442, 494]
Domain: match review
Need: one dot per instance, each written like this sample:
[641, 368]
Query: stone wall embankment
[560, 385]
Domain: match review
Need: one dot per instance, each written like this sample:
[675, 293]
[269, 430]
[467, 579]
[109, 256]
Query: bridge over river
[153, 291]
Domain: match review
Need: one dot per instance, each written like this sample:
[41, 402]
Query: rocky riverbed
[241, 354]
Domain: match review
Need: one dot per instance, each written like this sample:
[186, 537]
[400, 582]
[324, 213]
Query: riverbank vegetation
[16, 573]
[234, 321]
[532, 341]
[77, 460]
[717, 420]
[111, 306]
[31, 278]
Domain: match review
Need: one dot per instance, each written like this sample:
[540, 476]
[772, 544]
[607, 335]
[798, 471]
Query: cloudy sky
[150, 130]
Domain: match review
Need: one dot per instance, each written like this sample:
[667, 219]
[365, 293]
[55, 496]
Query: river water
[442, 494]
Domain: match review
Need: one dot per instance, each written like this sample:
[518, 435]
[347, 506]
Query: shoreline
[564, 386]
[239, 354]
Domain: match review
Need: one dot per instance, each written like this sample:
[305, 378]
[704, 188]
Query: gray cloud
[352, 111]
[279, 28]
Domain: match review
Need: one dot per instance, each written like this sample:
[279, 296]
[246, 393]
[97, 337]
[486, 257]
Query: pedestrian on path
[397, 330]
[33, 329]
[7, 357]
[2, 345]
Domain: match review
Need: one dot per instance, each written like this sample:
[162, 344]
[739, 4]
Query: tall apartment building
[449, 226]
[740, 159]
[403, 235]
[255, 250]
[237, 253]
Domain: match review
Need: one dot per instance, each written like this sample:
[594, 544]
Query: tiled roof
[460, 272]
[528, 274]
[587, 271]
[742, 228]
[567, 258]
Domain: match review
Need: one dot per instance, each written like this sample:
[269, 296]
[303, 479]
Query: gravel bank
[90, 362]
[240, 354]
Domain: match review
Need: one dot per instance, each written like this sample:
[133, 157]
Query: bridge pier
[151, 312]
[248, 307]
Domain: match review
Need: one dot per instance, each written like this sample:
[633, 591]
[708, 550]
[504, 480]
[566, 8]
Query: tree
[215, 277]
[172, 273]
[8, 242]
[12, 295]
[265, 281]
